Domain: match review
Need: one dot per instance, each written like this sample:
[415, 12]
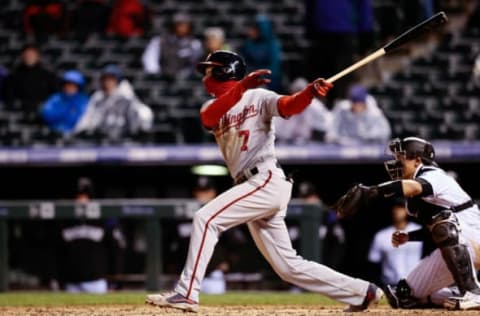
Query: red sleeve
[294, 104]
[212, 114]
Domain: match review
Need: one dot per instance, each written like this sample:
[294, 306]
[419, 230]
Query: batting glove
[321, 87]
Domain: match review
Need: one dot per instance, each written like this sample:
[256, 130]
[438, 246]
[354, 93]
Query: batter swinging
[240, 116]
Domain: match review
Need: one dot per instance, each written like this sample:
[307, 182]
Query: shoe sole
[462, 306]
[183, 307]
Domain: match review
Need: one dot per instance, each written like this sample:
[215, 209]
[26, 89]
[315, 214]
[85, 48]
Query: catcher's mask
[408, 148]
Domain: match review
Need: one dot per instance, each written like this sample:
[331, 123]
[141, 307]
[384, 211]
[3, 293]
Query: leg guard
[445, 234]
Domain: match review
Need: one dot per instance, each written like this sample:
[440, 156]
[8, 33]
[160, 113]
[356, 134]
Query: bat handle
[378, 53]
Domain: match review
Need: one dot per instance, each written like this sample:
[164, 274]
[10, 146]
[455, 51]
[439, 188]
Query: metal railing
[152, 212]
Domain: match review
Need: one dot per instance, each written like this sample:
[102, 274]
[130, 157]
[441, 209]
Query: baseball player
[451, 219]
[240, 117]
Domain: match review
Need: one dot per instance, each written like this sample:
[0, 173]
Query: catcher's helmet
[409, 148]
[226, 65]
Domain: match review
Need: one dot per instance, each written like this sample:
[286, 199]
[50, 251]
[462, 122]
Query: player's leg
[429, 276]
[272, 239]
[469, 237]
[451, 263]
[260, 197]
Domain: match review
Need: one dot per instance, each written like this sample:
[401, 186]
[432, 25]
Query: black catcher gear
[445, 230]
[356, 199]
[410, 148]
[226, 65]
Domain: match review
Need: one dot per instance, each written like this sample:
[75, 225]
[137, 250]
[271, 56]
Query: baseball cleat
[468, 301]
[391, 296]
[373, 296]
[173, 300]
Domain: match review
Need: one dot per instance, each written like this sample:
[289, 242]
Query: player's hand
[399, 238]
[321, 87]
[255, 79]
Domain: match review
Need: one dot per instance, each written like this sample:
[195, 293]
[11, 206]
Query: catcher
[450, 217]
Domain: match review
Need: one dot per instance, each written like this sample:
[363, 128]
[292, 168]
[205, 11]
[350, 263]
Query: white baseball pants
[431, 276]
[262, 203]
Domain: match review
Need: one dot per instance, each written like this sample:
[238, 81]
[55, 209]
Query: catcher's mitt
[353, 201]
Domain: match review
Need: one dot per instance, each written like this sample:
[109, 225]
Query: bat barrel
[419, 29]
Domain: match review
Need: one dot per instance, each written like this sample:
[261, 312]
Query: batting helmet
[409, 148]
[226, 65]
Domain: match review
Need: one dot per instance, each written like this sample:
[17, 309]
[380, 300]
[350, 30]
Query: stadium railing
[152, 211]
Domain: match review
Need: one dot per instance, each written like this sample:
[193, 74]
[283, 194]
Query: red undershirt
[211, 115]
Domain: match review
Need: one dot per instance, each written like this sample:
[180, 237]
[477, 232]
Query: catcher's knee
[445, 233]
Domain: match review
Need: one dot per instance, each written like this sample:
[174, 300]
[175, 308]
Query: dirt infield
[130, 310]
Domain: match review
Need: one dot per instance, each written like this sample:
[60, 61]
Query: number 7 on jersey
[245, 134]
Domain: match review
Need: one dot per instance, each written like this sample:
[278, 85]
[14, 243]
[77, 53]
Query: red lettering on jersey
[236, 120]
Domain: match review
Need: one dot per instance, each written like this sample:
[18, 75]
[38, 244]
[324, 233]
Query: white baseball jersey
[446, 193]
[396, 262]
[245, 133]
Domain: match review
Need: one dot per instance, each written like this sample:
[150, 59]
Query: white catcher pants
[261, 202]
[431, 276]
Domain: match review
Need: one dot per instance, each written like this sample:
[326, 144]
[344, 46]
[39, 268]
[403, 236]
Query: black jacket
[29, 86]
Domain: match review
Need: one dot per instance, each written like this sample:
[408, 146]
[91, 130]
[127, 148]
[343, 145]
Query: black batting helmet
[410, 148]
[226, 65]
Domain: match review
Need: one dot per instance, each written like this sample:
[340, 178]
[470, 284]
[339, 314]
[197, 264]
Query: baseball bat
[414, 32]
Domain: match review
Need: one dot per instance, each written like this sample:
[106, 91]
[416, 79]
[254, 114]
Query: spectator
[128, 18]
[91, 249]
[334, 28]
[262, 50]
[90, 16]
[474, 18]
[30, 83]
[175, 54]
[396, 263]
[214, 39]
[311, 124]
[114, 111]
[43, 18]
[358, 120]
[63, 109]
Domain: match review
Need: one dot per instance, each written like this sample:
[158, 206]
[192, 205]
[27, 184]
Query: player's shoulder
[429, 171]
[260, 92]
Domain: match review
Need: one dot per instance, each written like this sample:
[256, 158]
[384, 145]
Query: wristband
[416, 235]
[390, 189]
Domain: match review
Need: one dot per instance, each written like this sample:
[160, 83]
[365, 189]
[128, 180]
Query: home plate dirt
[267, 310]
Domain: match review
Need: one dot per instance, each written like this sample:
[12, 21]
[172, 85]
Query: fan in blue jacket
[63, 110]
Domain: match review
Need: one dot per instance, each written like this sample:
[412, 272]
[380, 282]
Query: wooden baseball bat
[419, 29]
